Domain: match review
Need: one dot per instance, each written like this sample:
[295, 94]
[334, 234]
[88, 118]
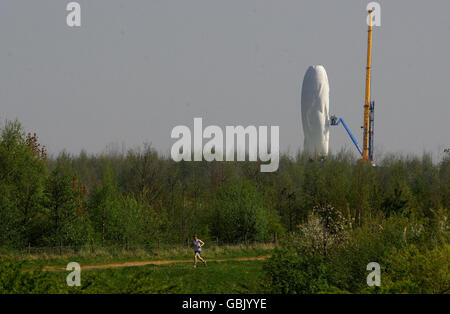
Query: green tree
[22, 183]
[239, 213]
[68, 220]
[104, 210]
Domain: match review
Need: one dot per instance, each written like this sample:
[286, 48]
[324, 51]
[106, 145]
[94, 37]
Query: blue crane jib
[335, 121]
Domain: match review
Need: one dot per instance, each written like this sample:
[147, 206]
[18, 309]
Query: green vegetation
[239, 204]
[111, 255]
[332, 258]
[218, 277]
[330, 217]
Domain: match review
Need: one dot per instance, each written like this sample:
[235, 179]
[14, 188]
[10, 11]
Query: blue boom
[335, 121]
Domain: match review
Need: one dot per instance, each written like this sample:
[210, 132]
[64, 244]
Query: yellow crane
[369, 109]
[367, 154]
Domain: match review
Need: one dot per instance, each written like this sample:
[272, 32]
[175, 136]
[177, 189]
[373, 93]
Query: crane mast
[367, 154]
[369, 109]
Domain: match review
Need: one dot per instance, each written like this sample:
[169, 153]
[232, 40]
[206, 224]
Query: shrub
[290, 272]
[15, 280]
[411, 270]
[239, 215]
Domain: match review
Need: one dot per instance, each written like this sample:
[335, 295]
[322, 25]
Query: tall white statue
[315, 111]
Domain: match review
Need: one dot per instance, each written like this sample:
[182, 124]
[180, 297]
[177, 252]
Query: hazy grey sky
[135, 69]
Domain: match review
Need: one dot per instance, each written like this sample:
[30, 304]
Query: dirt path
[156, 262]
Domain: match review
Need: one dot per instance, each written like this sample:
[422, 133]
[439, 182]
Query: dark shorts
[197, 251]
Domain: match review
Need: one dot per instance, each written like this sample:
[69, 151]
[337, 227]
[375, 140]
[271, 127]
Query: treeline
[139, 198]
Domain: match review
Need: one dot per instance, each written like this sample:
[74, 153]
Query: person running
[197, 243]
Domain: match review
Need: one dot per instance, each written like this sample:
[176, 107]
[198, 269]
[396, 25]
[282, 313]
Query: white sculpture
[315, 111]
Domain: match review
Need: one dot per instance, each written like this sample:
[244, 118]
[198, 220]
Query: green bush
[239, 214]
[407, 267]
[15, 280]
[412, 270]
[290, 272]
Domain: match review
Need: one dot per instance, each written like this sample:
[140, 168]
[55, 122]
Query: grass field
[108, 256]
[217, 277]
[231, 269]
